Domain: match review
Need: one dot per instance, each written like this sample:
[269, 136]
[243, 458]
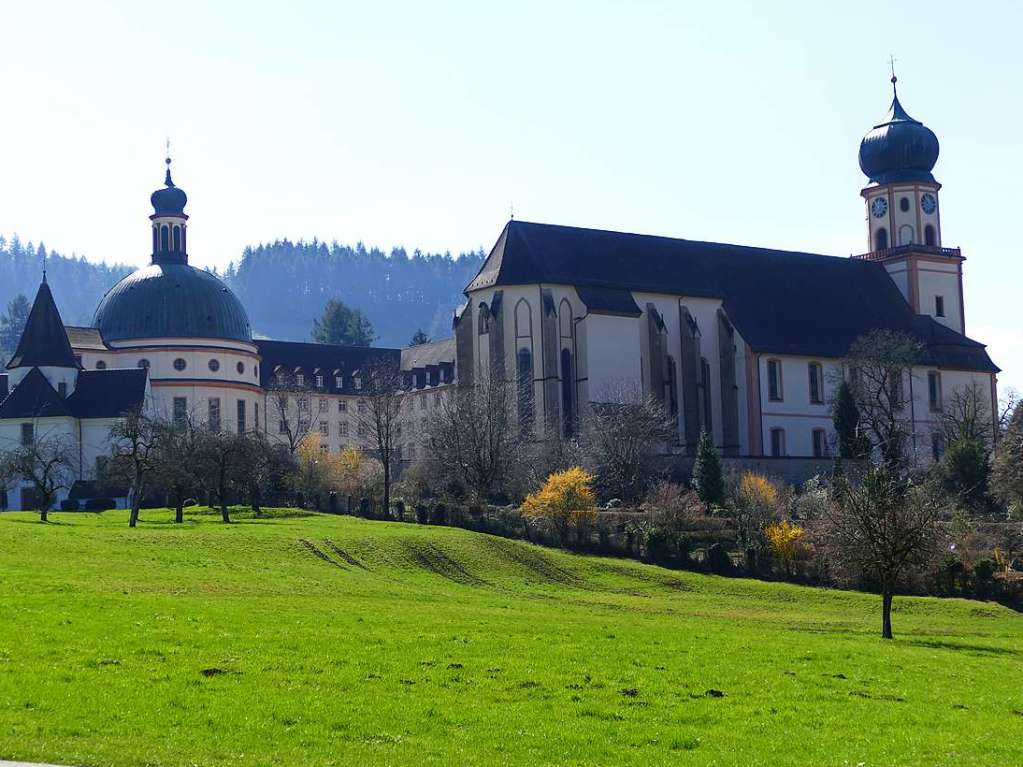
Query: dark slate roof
[781, 301]
[108, 393]
[898, 148]
[97, 394]
[33, 398]
[171, 301]
[326, 358]
[433, 353]
[44, 342]
[608, 301]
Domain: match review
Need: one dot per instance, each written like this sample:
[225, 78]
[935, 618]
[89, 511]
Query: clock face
[928, 203]
[879, 207]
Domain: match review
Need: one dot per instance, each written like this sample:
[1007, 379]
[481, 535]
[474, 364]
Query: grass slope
[330, 640]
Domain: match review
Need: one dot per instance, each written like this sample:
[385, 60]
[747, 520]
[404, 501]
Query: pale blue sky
[419, 124]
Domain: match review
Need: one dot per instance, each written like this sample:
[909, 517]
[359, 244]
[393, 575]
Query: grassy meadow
[316, 640]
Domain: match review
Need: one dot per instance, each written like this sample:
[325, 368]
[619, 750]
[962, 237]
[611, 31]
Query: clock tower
[904, 215]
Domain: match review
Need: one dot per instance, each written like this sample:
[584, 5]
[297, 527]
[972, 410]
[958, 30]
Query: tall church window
[881, 239]
[177, 238]
[774, 390]
[672, 385]
[706, 398]
[484, 321]
[28, 434]
[164, 238]
[525, 384]
[241, 416]
[156, 236]
[934, 397]
[567, 387]
[816, 373]
[180, 411]
[214, 414]
[777, 443]
[820, 443]
[929, 238]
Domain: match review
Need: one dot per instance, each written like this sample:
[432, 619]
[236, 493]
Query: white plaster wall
[795, 413]
[613, 356]
[938, 279]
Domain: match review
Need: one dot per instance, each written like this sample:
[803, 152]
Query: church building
[744, 343]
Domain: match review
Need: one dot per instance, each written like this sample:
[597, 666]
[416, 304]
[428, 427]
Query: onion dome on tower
[898, 148]
[169, 298]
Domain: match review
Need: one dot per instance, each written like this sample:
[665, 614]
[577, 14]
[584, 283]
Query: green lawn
[313, 640]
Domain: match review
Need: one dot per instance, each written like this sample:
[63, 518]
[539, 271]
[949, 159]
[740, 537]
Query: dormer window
[319, 381]
[299, 379]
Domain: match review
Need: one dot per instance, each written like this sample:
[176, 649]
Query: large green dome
[171, 301]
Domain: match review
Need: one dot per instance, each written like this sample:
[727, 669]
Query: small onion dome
[898, 148]
[169, 201]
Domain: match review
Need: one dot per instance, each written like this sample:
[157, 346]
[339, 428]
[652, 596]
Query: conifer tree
[419, 338]
[846, 418]
[708, 480]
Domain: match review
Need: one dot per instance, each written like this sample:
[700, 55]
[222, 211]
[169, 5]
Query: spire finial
[167, 159]
[44, 267]
[511, 210]
[891, 63]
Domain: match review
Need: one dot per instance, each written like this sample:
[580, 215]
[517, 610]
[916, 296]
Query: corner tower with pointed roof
[44, 345]
[904, 217]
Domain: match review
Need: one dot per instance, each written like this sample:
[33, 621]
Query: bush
[566, 498]
[787, 542]
[422, 514]
[439, 514]
[100, 504]
[965, 469]
[69, 505]
[718, 560]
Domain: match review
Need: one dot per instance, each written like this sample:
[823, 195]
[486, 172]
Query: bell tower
[904, 215]
[169, 222]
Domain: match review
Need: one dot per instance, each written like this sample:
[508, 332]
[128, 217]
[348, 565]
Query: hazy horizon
[418, 127]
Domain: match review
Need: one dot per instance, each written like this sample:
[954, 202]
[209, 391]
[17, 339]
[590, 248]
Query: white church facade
[744, 343]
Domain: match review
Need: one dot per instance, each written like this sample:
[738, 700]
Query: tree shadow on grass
[973, 649]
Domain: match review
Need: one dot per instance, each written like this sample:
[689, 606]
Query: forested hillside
[285, 285]
[77, 284]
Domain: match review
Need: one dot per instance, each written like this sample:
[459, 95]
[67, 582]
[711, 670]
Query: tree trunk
[254, 502]
[42, 515]
[136, 499]
[179, 511]
[387, 489]
[886, 612]
[224, 513]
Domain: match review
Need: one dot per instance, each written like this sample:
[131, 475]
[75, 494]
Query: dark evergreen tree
[342, 325]
[846, 418]
[965, 469]
[708, 480]
[12, 323]
[419, 338]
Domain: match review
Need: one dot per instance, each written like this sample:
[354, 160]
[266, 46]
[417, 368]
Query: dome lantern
[169, 221]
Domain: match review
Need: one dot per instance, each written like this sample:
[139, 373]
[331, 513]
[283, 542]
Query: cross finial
[891, 63]
[44, 266]
[511, 210]
[167, 159]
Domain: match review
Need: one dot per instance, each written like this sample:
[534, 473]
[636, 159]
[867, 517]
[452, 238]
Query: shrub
[566, 497]
[100, 504]
[69, 505]
[422, 514]
[672, 507]
[787, 542]
[439, 514]
[708, 481]
[754, 503]
[718, 560]
[965, 468]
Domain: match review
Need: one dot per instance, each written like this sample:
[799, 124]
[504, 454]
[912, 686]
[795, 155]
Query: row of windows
[181, 364]
[164, 236]
[906, 236]
[815, 380]
[213, 414]
[819, 440]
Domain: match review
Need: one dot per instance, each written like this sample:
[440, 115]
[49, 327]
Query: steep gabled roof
[85, 338]
[34, 397]
[781, 301]
[108, 393]
[44, 341]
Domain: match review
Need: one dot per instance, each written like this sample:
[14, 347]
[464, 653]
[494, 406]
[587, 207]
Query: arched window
[155, 236]
[881, 239]
[177, 238]
[567, 388]
[672, 385]
[523, 319]
[929, 238]
[484, 321]
[164, 237]
[905, 235]
[524, 366]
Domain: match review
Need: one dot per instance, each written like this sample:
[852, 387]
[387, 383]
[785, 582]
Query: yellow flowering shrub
[566, 497]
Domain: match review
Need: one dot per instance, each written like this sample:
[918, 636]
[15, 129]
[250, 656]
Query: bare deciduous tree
[46, 463]
[263, 466]
[1007, 466]
[177, 466]
[473, 438]
[135, 442]
[880, 365]
[379, 418]
[1006, 407]
[620, 437]
[220, 462]
[881, 530]
[966, 415]
[288, 404]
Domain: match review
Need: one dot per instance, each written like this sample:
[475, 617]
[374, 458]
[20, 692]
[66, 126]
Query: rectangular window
[180, 411]
[28, 434]
[342, 407]
[934, 391]
[241, 416]
[323, 405]
[255, 418]
[299, 379]
[362, 406]
[303, 404]
[214, 414]
[324, 428]
[342, 429]
[816, 383]
[337, 382]
[319, 382]
[422, 402]
[62, 390]
[777, 443]
[774, 392]
[820, 443]
[939, 306]
[362, 430]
